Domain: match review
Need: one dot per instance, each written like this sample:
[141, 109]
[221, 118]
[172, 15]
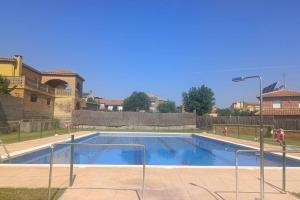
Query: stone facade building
[245, 106]
[53, 94]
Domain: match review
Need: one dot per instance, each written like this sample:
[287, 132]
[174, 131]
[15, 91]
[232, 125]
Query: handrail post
[5, 149]
[71, 161]
[144, 172]
[50, 171]
[236, 176]
[284, 167]
[19, 131]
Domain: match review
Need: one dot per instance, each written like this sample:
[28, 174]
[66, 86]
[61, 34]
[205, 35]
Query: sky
[163, 47]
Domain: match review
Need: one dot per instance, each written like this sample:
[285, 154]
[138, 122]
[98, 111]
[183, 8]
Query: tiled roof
[281, 111]
[252, 103]
[62, 73]
[283, 93]
[111, 102]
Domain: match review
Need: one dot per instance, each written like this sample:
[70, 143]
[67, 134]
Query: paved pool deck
[124, 183]
[162, 183]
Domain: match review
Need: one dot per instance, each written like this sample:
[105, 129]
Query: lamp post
[261, 134]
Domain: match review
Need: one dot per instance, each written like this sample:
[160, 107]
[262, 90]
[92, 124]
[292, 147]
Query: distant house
[245, 106]
[282, 103]
[110, 104]
[154, 102]
[89, 101]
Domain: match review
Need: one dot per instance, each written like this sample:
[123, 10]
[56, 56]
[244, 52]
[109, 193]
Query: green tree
[137, 101]
[115, 108]
[167, 107]
[200, 99]
[224, 112]
[235, 112]
[4, 86]
[90, 100]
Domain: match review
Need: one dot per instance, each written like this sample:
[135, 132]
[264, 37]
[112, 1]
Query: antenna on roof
[283, 77]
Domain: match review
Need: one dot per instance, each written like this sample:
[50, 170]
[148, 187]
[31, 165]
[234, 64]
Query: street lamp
[261, 134]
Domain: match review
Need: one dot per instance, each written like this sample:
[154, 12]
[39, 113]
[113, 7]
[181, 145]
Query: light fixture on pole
[261, 134]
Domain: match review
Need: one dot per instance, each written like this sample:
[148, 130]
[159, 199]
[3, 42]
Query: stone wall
[133, 119]
[11, 108]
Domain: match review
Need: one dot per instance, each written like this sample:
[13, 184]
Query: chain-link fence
[251, 132]
[17, 131]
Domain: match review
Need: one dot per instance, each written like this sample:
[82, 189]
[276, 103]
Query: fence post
[41, 132]
[283, 166]
[54, 127]
[71, 160]
[238, 121]
[19, 132]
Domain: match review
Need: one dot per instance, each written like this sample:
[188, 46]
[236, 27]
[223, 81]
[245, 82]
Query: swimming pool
[161, 149]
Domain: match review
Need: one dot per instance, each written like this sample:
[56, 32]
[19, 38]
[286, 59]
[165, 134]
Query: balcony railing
[22, 82]
[16, 81]
[63, 92]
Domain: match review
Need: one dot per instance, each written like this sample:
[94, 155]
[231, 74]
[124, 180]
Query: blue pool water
[161, 149]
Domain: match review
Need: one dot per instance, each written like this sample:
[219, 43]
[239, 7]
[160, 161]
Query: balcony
[63, 92]
[23, 82]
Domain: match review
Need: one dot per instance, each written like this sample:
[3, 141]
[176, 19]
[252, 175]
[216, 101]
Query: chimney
[18, 66]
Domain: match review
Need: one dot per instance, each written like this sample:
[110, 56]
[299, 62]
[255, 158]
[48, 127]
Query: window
[48, 101]
[33, 98]
[277, 104]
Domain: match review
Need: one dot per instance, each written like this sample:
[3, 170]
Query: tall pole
[261, 145]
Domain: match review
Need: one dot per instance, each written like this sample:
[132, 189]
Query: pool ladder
[5, 149]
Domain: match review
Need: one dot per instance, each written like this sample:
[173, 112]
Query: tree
[115, 108]
[235, 112]
[4, 86]
[200, 99]
[137, 101]
[224, 112]
[167, 107]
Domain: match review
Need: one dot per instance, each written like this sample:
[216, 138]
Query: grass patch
[13, 137]
[267, 140]
[29, 193]
[296, 194]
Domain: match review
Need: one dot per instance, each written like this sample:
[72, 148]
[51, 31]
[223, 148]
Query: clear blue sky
[159, 46]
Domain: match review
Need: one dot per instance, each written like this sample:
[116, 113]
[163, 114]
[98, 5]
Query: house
[110, 104]
[245, 106]
[44, 94]
[154, 102]
[89, 101]
[282, 103]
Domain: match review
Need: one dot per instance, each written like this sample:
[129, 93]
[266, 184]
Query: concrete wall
[10, 108]
[134, 119]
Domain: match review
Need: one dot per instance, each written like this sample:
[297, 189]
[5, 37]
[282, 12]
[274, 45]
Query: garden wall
[134, 119]
[10, 108]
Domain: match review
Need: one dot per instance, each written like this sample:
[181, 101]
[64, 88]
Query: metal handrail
[52, 146]
[284, 151]
[5, 149]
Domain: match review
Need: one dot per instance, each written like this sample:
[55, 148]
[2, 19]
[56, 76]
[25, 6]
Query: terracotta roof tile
[283, 93]
[281, 111]
[111, 102]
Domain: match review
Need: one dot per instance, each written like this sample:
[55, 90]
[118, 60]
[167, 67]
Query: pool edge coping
[19, 153]
[244, 145]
